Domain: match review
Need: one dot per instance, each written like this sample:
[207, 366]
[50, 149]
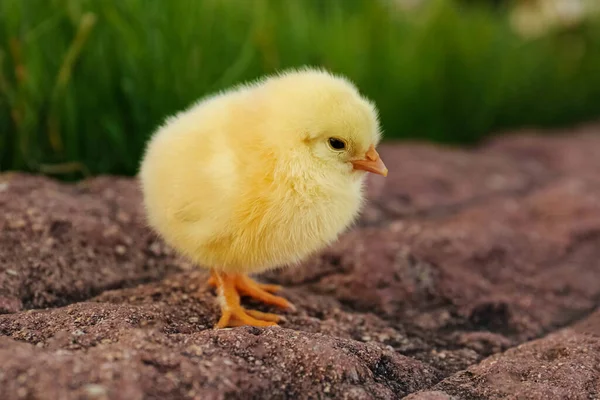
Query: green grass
[84, 83]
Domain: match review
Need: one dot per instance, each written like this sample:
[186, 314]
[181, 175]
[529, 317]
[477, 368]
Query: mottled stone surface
[472, 274]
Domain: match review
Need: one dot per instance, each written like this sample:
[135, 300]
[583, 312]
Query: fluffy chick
[261, 176]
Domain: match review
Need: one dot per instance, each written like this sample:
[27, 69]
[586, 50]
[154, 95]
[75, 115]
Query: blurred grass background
[83, 83]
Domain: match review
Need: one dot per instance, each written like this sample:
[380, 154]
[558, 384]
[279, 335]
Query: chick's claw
[230, 286]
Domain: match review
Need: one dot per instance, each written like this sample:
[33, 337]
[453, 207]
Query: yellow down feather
[247, 180]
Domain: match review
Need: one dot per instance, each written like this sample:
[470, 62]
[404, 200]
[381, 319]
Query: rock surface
[473, 274]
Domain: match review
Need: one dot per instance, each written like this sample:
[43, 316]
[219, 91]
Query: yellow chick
[261, 176]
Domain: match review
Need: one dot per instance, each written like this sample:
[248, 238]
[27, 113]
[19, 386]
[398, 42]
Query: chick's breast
[215, 192]
[281, 217]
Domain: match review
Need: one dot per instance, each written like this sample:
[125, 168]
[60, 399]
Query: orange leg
[267, 287]
[229, 287]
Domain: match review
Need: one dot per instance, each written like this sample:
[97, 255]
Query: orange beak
[371, 163]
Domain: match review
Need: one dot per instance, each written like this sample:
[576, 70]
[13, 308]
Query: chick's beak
[371, 163]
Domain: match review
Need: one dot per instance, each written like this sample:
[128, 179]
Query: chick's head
[324, 118]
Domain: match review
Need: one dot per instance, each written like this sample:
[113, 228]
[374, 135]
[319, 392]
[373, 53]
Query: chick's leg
[212, 281]
[233, 314]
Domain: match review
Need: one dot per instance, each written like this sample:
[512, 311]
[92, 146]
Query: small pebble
[95, 391]
[194, 349]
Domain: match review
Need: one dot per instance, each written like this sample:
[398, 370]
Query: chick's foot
[230, 286]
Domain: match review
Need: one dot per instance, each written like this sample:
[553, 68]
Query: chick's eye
[337, 144]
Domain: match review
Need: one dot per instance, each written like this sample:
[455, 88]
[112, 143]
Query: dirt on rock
[472, 274]
[562, 365]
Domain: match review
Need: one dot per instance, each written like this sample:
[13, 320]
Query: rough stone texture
[473, 274]
[563, 365]
[63, 243]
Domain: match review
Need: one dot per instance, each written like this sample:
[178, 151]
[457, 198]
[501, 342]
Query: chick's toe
[248, 287]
